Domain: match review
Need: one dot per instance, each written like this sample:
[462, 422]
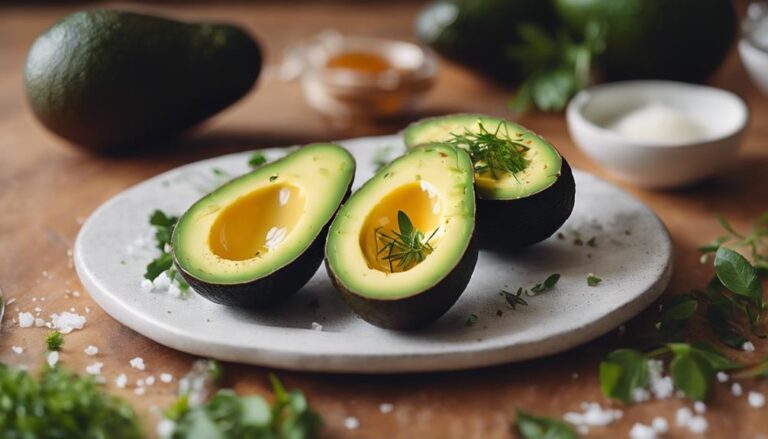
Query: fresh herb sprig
[516, 299]
[405, 247]
[54, 341]
[164, 224]
[61, 404]
[541, 427]
[492, 151]
[228, 415]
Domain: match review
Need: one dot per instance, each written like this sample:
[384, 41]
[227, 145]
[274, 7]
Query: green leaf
[471, 320]
[717, 360]
[547, 285]
[622, 372]
[738, 275]
[54, 341]
[160, 218]
[593, 280]
[257, 159]
[539, 427]
[404, 223]
[691, 373]
[255, 411]
[159, 265]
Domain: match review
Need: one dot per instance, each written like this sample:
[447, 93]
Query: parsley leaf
[54, 340]
[257, 159]
[593, 280]
[547, 285]
[622, 372]
[539, 427]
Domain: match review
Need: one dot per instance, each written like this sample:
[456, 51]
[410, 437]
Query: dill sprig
[495, 152]
[405, 247]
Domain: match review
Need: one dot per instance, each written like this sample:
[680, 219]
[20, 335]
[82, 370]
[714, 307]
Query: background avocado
[680, 40]
[479, 32]
[112, 80]
[259, 238]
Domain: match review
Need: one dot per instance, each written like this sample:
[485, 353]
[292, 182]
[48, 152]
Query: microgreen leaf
[539, 427]
[54, 341]
[593, 280]
[492, 151]
[257, 159]
[158, 265]
[693, 368]
[622, 372]
[405, 247]
[738, 275]
[514, 299]
[547, 285]
[471, 320]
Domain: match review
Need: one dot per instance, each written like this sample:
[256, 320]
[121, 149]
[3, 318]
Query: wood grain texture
[47, 187]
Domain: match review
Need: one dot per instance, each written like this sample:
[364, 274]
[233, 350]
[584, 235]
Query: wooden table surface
[47, 187]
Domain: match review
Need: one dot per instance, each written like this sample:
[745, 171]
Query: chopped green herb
[493, 152]
[539, 427]
[593, 280]
[54, 341]
[59, 404]
[592, 242]
[164, 224]
[471, 320]
[273, 178]
[228, 415]
[547, 285]
[406, 247]
[257, 159]
[514, 299]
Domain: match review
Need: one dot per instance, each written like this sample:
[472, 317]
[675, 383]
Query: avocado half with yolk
[513, 209]
[259, 238]
[401, 249]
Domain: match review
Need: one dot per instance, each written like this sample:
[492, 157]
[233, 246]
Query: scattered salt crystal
[121, 381]
[25, 319]
[174, 290]
[660, 425]
[698, 425]
[351, 423]
[736, 389]
[756, 399]
[87, 309]
[748, 347]
[161, 282]
[661, 386]
[91, 350]
[165, 428]
[17, 349]
[76, 293]
[146, 285]
[52, 358]
[10, 301]
[641, 431]
[39, 322]
[386, 407]
[66, 322]
[139, 390]
[95, 368]
[699, 407]
[166, 377]
[150, 380]
[722, 377]
[640, 394]
[683, 416]
[137, 363]
[317, 326]
[38, 309]
[593, 415]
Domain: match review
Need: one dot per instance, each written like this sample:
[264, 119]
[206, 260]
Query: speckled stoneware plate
[631, 253]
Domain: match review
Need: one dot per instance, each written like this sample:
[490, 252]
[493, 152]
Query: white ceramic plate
[632, 255]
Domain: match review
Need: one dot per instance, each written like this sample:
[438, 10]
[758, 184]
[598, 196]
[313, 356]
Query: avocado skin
[679, 40]
[416, 311]
[111, 80]
[274, 288]
[511, 224]
[478, 33]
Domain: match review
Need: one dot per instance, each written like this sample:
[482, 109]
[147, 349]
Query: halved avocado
[259, 238]
[425, 196]
[513, 209]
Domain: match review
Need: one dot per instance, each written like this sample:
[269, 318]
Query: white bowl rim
[574, 112]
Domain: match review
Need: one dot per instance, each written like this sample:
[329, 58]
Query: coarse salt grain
[39, 322]
[386, 407]
[25, 319]
[146, 285]
[17, 349]
[351, 423]
[150, 380]
[121, 381]
[91, 350]
[736, 389]
[166, 377]
[317, 326]
[52, 358]
[67, 322]
[699, 407]
[722, 377]
[139, 390]
[660, 425]
[593, 415]
[698, 425]
[137, 363]
[683, 416]
[641, 431]
[95, 368]
[748, 347]
[756, 399]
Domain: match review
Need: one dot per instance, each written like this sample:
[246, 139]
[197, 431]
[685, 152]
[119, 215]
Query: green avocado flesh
[111, 80]
[432, 187]
[544, 162]
[513, 210]
[258, 238]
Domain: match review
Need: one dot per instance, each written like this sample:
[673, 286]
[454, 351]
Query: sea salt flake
[17, 349]
[736, 389]
[95, 368]
[67, 322]
[317, 326]
[351, 423]
[166, 377]
[748, 347]
[641, 431]
[121, 381]
[660, 425]
[756, 399]
[39, 322]
[91, 350]
[150, 380]
[137, 363]
[698, 425]
[25, 319]
[699, 407]
[52, 358]
[722, 377]
[139, 390]
[386, 407]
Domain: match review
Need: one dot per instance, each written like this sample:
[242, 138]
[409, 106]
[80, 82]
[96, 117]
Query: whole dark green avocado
[683, 40]
[113, 81]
